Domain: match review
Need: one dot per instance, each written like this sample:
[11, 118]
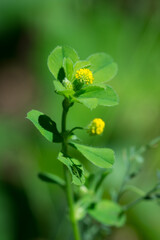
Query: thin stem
[69, 191]
[75, 128]
[138, 200]
[132, 204]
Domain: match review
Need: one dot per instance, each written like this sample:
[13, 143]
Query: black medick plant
[86, 82]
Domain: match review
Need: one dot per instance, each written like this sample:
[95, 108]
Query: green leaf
[108, 213]
[91, 103]
[105, 97]
[51, 178]
[74, 167]
[80, 64]
[59, 86]
[60, 89]
[68, 66]
[55, 59]
[45, 125]
[101, 157]
[103, 67]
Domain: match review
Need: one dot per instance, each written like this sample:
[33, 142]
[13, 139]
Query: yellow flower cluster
[96, 127]
[84, 75]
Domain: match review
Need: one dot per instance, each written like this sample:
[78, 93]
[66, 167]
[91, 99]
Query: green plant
[85, 82]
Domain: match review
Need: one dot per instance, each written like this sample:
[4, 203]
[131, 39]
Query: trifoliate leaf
[74, 167]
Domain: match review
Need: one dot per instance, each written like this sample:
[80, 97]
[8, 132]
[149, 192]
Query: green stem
[132, 204]
[75, 128]
[138, 200]
[69, 190]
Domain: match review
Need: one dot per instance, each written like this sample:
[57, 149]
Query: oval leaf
[91, 103]
[108, 213]
[45, 125]
[101, 157]
[68, 66]
[105, 96]
[51, 178]
[103, 67]
[74, 167]
[55, 59]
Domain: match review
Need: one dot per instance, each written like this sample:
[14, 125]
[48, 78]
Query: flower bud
[67, 84]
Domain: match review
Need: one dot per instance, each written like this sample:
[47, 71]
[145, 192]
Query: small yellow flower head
[96, 127]
[84, 75]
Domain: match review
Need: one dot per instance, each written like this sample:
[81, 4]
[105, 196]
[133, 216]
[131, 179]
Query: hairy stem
[69, 190]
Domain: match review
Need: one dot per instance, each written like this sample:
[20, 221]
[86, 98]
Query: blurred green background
[29, 30]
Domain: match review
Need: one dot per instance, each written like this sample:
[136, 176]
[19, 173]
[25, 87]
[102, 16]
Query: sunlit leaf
[91, 103]
[68, 66]
[45, 125]
[103, 67]
[105, 97]
[55, 59]
[101, 157]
